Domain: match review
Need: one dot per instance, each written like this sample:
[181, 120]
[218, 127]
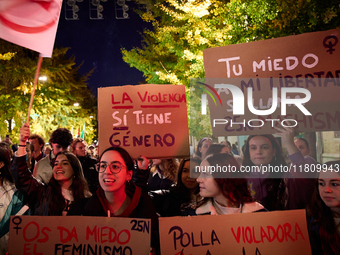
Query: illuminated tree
[172, 51]
[54, 99]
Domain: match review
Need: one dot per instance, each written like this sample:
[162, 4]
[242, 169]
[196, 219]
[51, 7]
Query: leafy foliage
[54, 98]
[172, 52]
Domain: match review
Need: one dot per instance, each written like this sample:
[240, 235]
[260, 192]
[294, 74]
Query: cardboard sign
[279, 233]
[308, 61]
[78, 235]
[149, 120]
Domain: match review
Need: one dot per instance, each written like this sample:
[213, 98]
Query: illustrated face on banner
[261, 150]
[113, 182]
[19, 26]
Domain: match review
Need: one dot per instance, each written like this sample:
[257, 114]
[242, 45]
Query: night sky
[97, 43]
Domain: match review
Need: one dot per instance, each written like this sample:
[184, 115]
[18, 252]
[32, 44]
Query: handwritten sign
[149, 120]
[308, 61]
[279, 233]
[78, 235]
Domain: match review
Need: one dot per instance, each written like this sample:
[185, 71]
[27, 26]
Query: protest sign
[78, 235]
[279, 233]
[303, 69]
[31, 24]
[149, 120]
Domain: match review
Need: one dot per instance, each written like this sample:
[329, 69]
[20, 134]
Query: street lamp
[42, 78]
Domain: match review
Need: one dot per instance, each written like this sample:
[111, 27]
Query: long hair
[274, 186]
[78, 187]
[180, 187]
[321, 220]
[199, 145]
[235, 190]
[277, 160]
[5, 172]
[215, 148]
[170, 167]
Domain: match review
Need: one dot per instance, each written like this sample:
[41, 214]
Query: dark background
[97, 43]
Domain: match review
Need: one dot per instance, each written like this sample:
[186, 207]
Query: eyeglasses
[114, 167]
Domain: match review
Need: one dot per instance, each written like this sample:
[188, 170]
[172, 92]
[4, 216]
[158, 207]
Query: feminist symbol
[17, 223]
[327, 43]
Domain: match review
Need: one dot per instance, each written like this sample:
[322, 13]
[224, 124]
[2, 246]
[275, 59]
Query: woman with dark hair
[11, 200]
[202, 147]
[66, 186]
[183, 198]
[117, 196]
[268, 188]
[225, 195]
[323, 212]
[223, 148]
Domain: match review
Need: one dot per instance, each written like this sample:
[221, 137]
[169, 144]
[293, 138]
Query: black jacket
[141, 206]
[91, 175]
[37, 194]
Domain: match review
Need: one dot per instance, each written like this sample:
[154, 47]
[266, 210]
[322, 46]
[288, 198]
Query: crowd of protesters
[72, 180]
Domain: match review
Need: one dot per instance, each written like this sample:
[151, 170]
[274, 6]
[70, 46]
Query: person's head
[235, 190]
[303, 145]
[216, 148]
[5, 161]
[228, 145]
[38, 142]
[79, 147]
[47, 150]
[67, 168]
[168, 167]
[60, 139]
[67, 174]
[262, 150]
[185, 174]
[29, 151]
[329, 186]
[203, 146]
[115, 169]
[324, 206]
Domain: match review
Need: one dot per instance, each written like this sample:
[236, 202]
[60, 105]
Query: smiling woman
[117, 196]
[66, 185]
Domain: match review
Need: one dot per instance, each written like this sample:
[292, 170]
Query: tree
[54, 99]
[172, 52]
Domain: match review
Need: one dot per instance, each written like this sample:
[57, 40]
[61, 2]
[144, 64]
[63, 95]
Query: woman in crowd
[237, 157]
[225, 195]
[183, 198]
[267, 188]
[162, 174]
[202, 147]
[11, 199]
[66, 186]
[117, 196]
[324, 212]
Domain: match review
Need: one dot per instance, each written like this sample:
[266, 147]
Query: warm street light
[42, 78]
[76, 104]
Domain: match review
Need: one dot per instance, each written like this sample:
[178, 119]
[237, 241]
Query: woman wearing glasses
[66, 185]
[117, 196]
